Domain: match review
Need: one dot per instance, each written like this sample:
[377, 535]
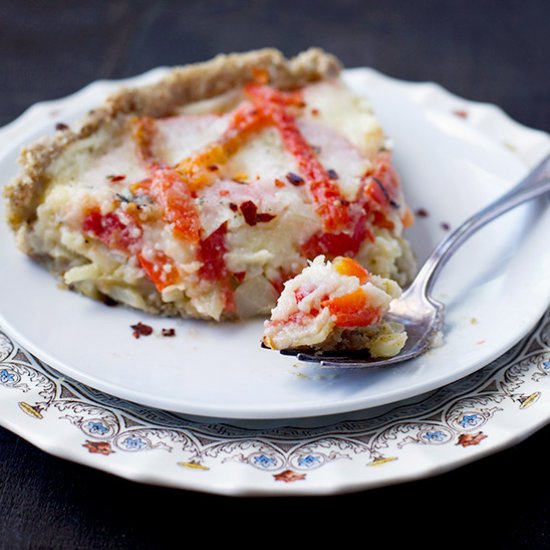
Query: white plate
[450, 165]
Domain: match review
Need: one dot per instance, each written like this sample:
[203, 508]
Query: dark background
[494, 51]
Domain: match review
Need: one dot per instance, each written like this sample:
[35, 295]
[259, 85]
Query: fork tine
[321, 357]
[354, 360]
[290, 351]
[329, 360]
[347, 363]
[318, 357]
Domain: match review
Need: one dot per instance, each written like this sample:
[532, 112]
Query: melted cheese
[183, 136]
[334, 105]
[337, 153]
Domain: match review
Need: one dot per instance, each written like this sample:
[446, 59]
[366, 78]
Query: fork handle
[535, 184]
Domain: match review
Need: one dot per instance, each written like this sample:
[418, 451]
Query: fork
[416, 309]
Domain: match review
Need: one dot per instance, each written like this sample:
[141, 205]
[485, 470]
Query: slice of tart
[336, 305]
[200, 195]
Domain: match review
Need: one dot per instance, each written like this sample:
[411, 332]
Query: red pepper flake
[168, 332]
[421, 213]
[279, 183]
[445, 226]
[61, 126]
[224, 192]
[141, 330]
[332, 174]
[212, 168]
[113, 178]
[264, 217]
[315, 112]
[460, 113]
[252, 216]
[233, 206]
[295, 179]
[249, 211]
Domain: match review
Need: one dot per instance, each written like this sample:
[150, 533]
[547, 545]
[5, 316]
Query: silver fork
[421, 314]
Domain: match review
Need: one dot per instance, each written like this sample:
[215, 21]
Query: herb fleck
[295, 179]
[385, 193]
[421, 213]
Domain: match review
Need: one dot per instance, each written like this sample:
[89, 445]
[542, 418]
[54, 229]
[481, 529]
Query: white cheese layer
[335, 106]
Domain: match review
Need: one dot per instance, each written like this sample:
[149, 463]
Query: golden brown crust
[181, 86]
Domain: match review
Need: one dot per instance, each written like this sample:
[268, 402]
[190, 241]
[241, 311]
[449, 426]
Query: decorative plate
[454, 156]
[495, 406]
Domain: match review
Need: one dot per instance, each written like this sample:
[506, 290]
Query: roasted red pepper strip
[331, 206]
[111, 231]
[338, 244]
[352, 310]
[155, 269]
[197, 171]
[171, 193]
[211, 253]
[351, 268]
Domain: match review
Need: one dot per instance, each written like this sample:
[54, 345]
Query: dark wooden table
[489, 51]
